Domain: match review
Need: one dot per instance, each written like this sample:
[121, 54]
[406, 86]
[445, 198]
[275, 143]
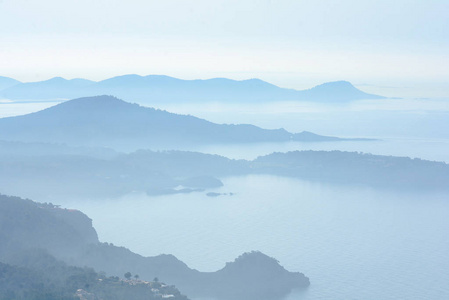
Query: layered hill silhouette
[108, 121]
[6, 82]
[91, 173]
[54, 88]
[31, 232]
[153, 89]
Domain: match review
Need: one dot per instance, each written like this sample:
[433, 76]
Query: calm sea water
[353, 242]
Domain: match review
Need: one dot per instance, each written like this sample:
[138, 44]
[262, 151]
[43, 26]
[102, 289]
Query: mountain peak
[335, 84]
[338, 91]
[8, 78]
[154, 89]
[6, 82]
[90, 104]
[56, 79]
[107, 121]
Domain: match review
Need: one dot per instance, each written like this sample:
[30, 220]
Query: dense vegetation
[32, 234]
[53, 280]
[45, 241]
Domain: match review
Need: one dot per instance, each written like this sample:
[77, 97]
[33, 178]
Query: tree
[156, 279]
[136, 276]
[128, 275]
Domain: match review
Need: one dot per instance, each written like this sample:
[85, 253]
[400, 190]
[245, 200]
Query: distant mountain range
[108, 121]
[158, 88]
[6, 82]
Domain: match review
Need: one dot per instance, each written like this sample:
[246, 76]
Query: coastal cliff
[28, 228]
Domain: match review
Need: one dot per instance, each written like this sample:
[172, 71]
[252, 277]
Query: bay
[353, 242]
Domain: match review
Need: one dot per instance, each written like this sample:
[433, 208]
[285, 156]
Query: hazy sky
[379, 45]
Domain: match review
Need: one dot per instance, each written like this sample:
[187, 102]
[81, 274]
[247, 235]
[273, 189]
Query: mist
[306, 225]
[224, 150]
[206, 199]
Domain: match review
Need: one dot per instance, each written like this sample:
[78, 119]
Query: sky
[395, 48]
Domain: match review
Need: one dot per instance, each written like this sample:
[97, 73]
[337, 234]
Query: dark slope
[252, 276]
[6, 82]
[35, 238]
[153, 89]
[29, 227]
[108, 121]
[25, 224]
[51, 279]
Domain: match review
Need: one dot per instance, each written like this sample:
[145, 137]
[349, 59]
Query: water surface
[353, 242]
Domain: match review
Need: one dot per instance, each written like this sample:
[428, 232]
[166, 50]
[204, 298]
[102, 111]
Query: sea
[353, 242]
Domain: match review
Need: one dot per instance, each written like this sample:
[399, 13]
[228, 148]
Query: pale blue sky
[390, 46]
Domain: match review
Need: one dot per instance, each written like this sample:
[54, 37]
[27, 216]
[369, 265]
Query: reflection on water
[353, 243]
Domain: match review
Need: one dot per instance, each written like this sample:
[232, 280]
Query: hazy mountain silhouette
[8, 149]
[66, 172]
[54, 88]
[336, 91]
[165, 88]
[159, 88]
[357, 168]
[108, 121]
[6, 82]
